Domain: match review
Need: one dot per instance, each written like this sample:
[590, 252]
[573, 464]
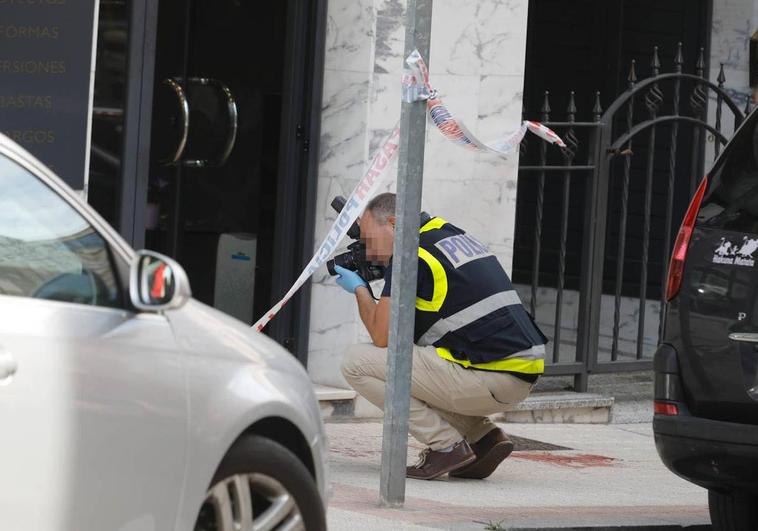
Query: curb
[672, 527]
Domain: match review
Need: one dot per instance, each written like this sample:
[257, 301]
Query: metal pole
[404, 270]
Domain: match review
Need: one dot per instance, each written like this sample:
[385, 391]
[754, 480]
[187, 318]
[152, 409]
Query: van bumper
[713, 454]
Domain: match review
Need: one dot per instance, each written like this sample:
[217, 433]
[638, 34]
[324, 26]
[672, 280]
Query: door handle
[8, 365]
[230, 105]
[181, 97]
[744, 337]
[231, 137]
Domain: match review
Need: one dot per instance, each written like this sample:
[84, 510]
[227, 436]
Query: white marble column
[477, 64]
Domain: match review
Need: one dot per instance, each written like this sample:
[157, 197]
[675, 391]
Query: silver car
[127, 405]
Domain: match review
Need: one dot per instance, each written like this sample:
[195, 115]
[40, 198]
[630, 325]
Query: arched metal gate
[600, 216]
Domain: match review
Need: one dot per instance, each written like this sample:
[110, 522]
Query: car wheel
[736, 511]
[261, 485]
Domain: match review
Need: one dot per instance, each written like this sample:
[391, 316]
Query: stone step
[561, 408]
[544, 408]
[326, 393]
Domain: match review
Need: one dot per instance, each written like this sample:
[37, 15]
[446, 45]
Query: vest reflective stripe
[440, 283]
[529, 361]
[469, 315]
[434, 223]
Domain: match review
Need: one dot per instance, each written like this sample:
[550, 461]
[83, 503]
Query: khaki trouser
[448, 402]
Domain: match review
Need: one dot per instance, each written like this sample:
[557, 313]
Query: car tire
[275, 478]
[735, 511]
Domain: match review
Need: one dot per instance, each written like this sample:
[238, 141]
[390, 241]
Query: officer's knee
[356, 359]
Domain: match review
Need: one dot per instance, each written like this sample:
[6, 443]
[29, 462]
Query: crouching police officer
[477, 351]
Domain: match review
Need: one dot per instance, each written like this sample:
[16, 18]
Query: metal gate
[603, 212]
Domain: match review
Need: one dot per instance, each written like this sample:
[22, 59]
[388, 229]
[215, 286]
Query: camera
[354, 259]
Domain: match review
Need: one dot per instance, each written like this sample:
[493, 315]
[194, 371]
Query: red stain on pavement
[567, 460]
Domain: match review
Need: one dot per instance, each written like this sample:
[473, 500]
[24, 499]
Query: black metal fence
[595, 221]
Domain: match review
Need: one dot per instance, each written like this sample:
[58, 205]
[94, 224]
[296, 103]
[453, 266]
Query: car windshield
[51, 219]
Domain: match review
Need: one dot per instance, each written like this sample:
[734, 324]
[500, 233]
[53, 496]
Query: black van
[706, 367]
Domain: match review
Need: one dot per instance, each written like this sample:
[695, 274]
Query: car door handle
[744, 337]
[8, 365]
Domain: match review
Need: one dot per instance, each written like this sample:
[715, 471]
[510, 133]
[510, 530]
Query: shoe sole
[459, 466]
[485, 466]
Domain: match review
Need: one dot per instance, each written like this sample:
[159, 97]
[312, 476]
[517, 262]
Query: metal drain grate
[522, 444]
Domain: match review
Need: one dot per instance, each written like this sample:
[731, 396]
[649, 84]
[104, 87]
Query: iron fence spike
[678, 58]
[632, 78]
[654, 96]
[546, 107]
[571, 109]
[656, 62]
[572, 142]
[722, 78]
[700, 65]
[699, 95]
[597, 110]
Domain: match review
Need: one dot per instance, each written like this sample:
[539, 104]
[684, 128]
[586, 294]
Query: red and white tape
[359, 198]
[416, 87]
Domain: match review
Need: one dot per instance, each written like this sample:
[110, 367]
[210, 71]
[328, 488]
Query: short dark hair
[382, 207]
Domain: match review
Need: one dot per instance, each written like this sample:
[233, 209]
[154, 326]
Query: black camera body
[354, 259]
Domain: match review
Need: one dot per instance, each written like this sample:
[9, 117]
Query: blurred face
[378, 238]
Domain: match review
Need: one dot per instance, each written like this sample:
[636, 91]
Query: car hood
[202, 330]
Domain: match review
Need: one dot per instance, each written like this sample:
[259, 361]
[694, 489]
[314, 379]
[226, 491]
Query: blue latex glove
[349, 280]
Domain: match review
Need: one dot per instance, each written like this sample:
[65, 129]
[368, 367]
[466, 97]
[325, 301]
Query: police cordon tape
[367, 187]
[355, 204]
[416, 87]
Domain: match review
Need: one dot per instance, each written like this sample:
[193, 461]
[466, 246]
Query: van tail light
[679, 253]
[665, 408]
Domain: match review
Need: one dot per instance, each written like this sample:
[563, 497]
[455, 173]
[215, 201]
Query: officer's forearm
[367, 309]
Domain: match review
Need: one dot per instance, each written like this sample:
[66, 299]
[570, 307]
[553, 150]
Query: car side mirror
[157, 283]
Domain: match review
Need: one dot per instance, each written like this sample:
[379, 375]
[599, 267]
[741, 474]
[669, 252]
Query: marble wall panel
[479, 38]
[350, 36]
[733, 22]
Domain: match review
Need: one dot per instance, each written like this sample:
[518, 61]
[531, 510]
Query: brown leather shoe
[490, 450]
[434, 464]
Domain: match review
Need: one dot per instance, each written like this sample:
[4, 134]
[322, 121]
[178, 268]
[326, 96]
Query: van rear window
[731, 202]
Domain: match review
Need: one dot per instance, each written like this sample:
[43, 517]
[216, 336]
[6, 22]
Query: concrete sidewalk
[608, 477]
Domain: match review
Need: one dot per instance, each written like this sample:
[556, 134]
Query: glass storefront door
[215, 146]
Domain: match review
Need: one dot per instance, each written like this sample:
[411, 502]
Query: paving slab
[607, 477]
